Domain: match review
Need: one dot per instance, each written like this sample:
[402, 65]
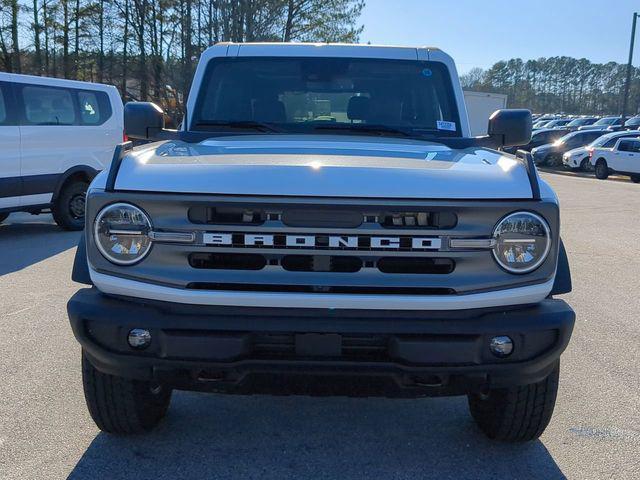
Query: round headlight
[121, 232]
[522, 242]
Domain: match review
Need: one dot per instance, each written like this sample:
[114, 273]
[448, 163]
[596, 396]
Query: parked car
[372, 254]
[560, 122]
[56, 135]
[580, 122]
[623, 158]
[578, 158]
[551, 153]
[604, 123]
[633, 123]
[539, 137]
[540, 124]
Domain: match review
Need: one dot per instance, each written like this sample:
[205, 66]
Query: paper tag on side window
[442, 125]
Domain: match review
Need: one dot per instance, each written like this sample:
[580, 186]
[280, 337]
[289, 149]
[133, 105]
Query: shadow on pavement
[28, 239]
[241, 437]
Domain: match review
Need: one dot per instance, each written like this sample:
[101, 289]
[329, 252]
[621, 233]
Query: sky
[478, 33]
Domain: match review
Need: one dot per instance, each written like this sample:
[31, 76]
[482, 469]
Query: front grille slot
[431, 266]
[434, 220]
[321, 263]
[227, 261]
[224, 215]
[354, 347]
[322, 218]
[319, 289]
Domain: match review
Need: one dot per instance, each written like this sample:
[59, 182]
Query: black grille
[236, 261]
[355, 347]
[433, 266]
[321, 263]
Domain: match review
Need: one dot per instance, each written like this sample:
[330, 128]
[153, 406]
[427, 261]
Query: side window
[89, 108]
[610, 143]
[623, 146]
[634, 146]
[3, 107]
[48, 106]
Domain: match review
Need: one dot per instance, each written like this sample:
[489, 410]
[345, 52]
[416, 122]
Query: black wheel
[68, 209]
[120, 405]
[602, 169]
[585, 166]
[516, 414]
[3, 217]
[554, 160]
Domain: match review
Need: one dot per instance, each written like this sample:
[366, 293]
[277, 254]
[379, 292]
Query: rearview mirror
[510, 127]
[143, 120]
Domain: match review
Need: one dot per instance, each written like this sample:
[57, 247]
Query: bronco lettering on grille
[334, 242]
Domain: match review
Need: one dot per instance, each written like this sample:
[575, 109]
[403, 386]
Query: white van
[55, 136]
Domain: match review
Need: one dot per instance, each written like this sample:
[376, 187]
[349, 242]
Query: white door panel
[10, 183]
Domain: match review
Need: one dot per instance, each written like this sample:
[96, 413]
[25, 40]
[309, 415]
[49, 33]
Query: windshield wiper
[244, 124]
[365, 128]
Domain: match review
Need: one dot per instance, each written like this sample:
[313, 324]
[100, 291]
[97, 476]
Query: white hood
[327, 166]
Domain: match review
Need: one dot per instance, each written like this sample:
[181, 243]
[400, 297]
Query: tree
[149, 48]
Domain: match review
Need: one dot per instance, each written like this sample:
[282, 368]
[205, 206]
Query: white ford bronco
[322, 224]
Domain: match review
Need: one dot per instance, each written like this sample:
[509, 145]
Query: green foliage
[149, 48]
[558, 84]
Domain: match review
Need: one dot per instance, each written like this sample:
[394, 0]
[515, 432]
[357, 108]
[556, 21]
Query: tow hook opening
[209, 376]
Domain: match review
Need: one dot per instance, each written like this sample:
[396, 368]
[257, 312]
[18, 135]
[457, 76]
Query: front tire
[68, 209]
[553, 160]
[602, 169]
[516, 414]
[584, 164]
[635, 178]
[120, 405]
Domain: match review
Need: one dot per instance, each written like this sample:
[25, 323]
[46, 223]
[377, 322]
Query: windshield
[578, 122]
[606, 121]
[598, 142]
[632, 122]
[320, 95]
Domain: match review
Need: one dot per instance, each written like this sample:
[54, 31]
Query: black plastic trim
[118, 155]
[86, 170]
[562, 283]
[93, 315]
[80, 272]
[530, 165]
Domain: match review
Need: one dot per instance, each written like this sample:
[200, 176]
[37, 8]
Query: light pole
[626, 85]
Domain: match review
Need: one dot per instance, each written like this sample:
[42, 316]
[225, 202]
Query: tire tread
[519, 413]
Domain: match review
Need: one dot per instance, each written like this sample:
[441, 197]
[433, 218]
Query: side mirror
[143, 120]
[510, 127]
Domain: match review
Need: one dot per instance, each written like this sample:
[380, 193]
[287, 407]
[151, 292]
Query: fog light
[139, 338]
[501, 346]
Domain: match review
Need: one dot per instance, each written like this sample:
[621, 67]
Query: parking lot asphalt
[46, 432]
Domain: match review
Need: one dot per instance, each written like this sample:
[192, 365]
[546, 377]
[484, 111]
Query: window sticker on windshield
[427, 72]
[443, 125]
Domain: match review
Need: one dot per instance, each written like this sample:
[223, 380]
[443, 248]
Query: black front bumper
[249, 350]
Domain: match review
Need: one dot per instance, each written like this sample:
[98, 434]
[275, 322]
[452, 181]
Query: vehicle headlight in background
[522, 242]
[121, 232]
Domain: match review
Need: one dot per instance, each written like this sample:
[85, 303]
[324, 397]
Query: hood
[327, 166]
[577, 151]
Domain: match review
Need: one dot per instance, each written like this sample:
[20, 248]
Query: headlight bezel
[96, 232]
[543, 257]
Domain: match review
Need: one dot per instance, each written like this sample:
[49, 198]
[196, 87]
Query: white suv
[323, 223]
[623, 158]
[56, 135]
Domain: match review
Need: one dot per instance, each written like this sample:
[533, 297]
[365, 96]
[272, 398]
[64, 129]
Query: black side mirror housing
[143, 120]
[510, 127]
